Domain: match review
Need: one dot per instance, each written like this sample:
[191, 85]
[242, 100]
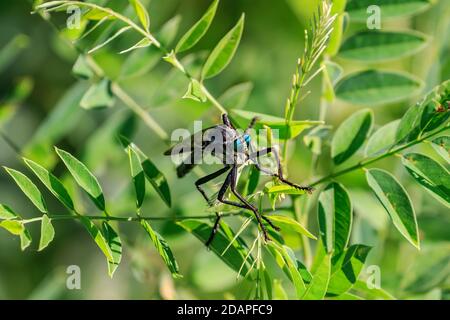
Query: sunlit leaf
[28, 188]
[99, 95]
[382, 139]
[430, 174]
[138, 176]
[47, 232]
[346, 267]
[84, 178]
[289, 223]
[370, 46]
[141, 13]
[163, 249]
[335, 217]
[195, 92]
[153, 175]
[98, 237]
[81, 68]
[277, 124]
[115, 245]
[397, 203]
[426, 115]
[318, 287]
[51, 182]
[224, 51]
[289, 265]
[350, 135]
[372, 87]
[198, 30]
[442, 146]
[388, 8]
[13, 226]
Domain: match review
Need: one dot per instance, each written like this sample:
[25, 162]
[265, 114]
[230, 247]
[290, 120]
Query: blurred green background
[271, 43]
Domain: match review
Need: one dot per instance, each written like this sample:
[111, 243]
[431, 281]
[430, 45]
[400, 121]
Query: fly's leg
[207, 178]
[226, 121]
[279, 174]
[214, 230]
[233, 181]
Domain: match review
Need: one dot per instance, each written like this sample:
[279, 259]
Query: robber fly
[234, 151]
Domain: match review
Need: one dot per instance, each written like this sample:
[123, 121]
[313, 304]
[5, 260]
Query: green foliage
[396, 201]
[285, 267]
[224, 51]
[373, 87]
[350, 135]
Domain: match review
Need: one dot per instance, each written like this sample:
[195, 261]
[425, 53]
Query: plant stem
[370, 160]
[148, 35]
[140, 111]
[138, 218]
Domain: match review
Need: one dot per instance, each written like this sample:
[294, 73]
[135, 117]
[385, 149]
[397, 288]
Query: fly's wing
[188, 144]
[212, 138]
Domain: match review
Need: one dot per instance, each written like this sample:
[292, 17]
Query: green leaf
[372, 87]
[346, 268]
[154, 176]
[272, 188]
[289, 223]
[84, 178]
[278, 291]
[233, 257]
[389, 8]
[25, 239]
[47, 232]
[143, 43]
[442, 146]
[98, 237]
[331, 74]
[141, 13]
[335, 217]
[28, 188]
[52, 183]
[81, 68]
[334, 43]
[318, 287]
[397, 203]
[285, 259]
[198, 30]
[140, 62]
[425, 115]
[13, 226]
[195, 92]
[6, 213]
[383, 139]
[163, 249]
[350, 135]
[224, 51]
[430, 174]
[99, 95]
[375, 46]
[236, 97]
[138, 175]
[372, 293]
[285, 132]
[115, 246]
